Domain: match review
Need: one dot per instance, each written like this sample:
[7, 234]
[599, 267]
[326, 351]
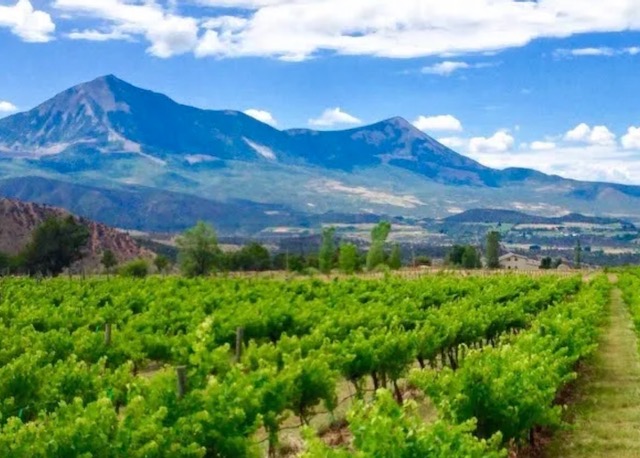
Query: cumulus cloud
[447, 123]
[453, 142]
[7, 107]
[596, 135]
[168, 34]
[590, 162]
[262, 115]
[543, 145]
[26, 22]
[334, 116]
[632, 139]
[499, 142]
[296, 30]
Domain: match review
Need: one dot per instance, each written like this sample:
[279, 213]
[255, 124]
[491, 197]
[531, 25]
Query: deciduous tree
[348, 259]
[199, 251]
[327, 250]
[108, 261]
[379, 235]
[55, 245]
[493, 250]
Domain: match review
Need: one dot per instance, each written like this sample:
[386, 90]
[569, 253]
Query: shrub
[138, 268]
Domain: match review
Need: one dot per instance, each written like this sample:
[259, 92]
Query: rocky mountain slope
[135, 158]
[19, 219]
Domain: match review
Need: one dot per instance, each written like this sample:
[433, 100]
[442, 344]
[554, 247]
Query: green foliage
[386, 429]
[546, 263]
[493, 250]
[379, 235]
[162, 263]
[55, 245]
[422, 261]
[511, 388]
[395, 259]
[108, 260]
[65, 392]
[349, 260]
[465, 256]
[250, 258]
[5, 263]
[138, 268]
[327, 250]
[199, 252]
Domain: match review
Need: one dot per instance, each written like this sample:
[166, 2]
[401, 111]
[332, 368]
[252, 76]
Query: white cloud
[453, 142]
[445, 68]
[590, 162]
[448, 67]
[632, 139]
[168, 34]
[597, 52]
[597, 159]
[597, 135]
[97, 35]
[7, 107]
[447, 123]
[29, 24]
[499, 142]
[580, 133]
[262, 115]
[542, 146]
[334, 116]
[297, 29]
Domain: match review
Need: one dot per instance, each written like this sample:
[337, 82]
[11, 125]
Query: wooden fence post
[239, 343]
[181, 376]
[107, 334]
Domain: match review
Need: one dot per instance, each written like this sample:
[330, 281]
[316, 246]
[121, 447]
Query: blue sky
[551, 84]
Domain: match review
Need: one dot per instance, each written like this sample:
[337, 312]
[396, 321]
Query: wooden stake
[239, 343]
[107, 334]
[181, 376]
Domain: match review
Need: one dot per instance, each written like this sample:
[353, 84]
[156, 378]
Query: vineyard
[438, 366]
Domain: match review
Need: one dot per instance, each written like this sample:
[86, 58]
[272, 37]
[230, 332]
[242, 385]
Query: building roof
[505, 257]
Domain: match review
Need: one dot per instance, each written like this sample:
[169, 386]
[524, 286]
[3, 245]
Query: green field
[438, 366]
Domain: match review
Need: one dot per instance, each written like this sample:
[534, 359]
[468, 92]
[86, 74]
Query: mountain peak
[100, 84]
[398, 122]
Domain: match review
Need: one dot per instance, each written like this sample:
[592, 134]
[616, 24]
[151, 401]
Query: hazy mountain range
[136, 159]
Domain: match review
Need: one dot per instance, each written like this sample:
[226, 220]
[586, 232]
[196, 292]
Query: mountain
[137, 159]
[19, 219]
[108, 115]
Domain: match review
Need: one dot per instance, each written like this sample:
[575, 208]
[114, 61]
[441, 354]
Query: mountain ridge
[108, 134]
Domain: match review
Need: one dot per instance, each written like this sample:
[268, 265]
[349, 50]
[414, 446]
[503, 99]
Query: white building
[514, 261]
